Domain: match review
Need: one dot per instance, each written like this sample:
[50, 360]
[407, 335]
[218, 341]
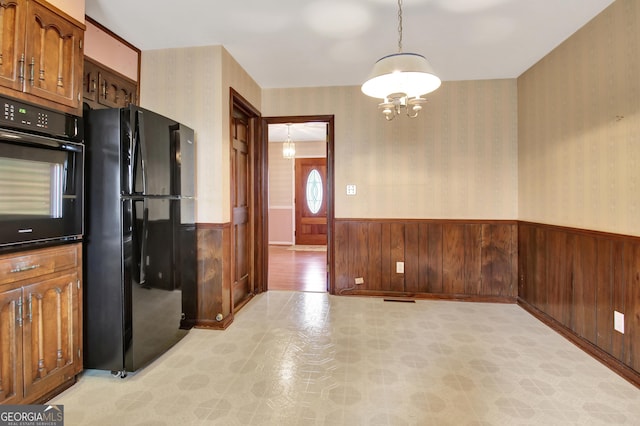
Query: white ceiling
[299, 132]
[306, 43]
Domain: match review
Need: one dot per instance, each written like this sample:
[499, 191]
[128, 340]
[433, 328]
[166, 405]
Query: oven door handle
[27, 139]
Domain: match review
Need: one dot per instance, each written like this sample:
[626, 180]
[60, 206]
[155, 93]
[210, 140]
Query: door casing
[329, 120]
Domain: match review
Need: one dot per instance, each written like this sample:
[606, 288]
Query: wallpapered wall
[579, 128]
[191, 85]
[559, 145]
[457, 160]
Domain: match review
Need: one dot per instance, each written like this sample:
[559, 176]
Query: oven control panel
[20, 115]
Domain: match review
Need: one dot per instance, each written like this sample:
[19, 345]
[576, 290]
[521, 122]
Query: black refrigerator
[140, 242]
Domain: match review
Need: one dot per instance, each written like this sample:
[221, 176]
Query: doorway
[300, 264]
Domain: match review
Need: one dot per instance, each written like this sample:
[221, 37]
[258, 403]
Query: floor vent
[400, 300]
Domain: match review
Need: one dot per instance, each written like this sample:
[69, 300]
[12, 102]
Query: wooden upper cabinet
[90, 81]
[54, 56]
[115, 91]
[106, 88]
[12, 32]
[42, 54]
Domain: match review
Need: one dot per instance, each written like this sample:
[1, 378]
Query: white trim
[280, 243]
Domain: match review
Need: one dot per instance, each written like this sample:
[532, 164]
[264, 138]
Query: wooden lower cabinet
[41, 324]
[11, 347]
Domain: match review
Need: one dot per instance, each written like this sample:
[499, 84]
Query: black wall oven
[41, 174]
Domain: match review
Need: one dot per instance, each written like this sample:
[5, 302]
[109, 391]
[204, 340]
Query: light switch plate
[618, 321]
[351, 189]
[400, 267]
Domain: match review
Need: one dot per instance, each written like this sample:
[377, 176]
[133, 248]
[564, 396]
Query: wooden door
[54, 56]
[12, 31]
[311, 201]
[51, 333]
[10, 346]
[241, 205]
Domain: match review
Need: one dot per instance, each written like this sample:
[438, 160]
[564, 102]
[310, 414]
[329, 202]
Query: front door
[311, 201]
[241, 208]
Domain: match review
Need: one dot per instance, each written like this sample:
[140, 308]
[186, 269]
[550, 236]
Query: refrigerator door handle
[144, 242]
[130, 156]
[143, 149]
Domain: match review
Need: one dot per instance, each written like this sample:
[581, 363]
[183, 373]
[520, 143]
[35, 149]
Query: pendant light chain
[399, 26]
[400, 80]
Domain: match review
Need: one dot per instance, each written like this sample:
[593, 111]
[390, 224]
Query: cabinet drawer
[29, 264]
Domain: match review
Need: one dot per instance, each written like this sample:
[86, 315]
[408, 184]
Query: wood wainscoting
[574, 280]
[213, 294]
[452, 259]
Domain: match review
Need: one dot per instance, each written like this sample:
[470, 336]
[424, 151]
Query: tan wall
[191, 85]
[579, 128]
[74, 8]
[457, 160]
[233, 76]
[111, 52]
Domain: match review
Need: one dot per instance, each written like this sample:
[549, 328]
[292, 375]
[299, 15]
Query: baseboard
[213, 324]
[614, 364]
[429, 296]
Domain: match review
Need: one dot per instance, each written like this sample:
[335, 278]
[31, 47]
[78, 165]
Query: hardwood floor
[296, 270]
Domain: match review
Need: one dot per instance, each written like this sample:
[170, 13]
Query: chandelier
[288, 147]
[400, 79]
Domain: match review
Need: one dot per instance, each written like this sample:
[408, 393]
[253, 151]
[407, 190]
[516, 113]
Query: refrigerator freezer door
[153, 154]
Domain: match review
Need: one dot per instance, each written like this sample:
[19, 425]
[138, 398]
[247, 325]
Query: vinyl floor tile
[294, 358]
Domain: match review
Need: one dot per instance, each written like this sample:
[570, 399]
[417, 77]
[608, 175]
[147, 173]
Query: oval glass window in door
[314, 191]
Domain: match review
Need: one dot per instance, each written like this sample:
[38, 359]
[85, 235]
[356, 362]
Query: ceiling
[299, 132]
[313, 43]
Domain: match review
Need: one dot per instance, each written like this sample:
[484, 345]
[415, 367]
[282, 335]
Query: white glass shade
[401, 73]
[288, 149]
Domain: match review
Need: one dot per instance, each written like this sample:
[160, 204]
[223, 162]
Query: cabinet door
[90, 81]
[51, 333]
[53, 56]
[115, 92]
[10, 346]
[12, 64]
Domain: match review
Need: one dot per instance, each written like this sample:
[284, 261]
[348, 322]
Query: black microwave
[41, 174]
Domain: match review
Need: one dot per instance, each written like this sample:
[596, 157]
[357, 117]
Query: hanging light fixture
[288, 147]
[400, 79]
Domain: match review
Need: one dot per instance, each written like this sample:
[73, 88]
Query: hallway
[298, 268]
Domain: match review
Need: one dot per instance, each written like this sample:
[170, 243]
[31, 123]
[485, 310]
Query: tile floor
[293, 358]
